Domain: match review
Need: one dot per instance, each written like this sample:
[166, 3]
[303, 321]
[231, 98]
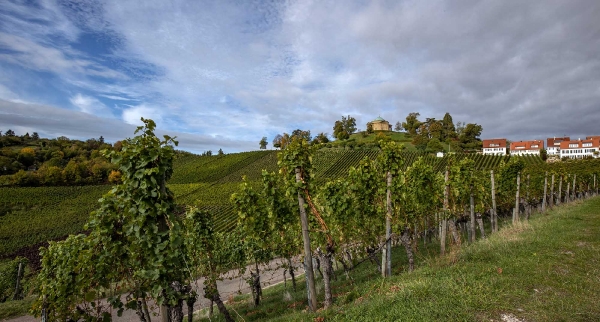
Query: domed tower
[379, 124]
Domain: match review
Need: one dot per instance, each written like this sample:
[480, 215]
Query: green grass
[361, 138]
[11, 309]
[546, 269]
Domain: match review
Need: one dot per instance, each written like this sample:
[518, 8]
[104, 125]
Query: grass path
[547, 269]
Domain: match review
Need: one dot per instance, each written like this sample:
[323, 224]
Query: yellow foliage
[114, 177]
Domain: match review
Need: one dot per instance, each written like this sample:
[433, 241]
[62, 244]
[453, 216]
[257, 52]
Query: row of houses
[562, 147]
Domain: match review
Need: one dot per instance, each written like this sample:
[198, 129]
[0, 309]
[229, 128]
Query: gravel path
[270, 275]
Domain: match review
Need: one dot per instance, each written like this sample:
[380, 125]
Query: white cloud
[133, 114]
[31, 55]
[51, 122]
[242, 70]
[90, 105]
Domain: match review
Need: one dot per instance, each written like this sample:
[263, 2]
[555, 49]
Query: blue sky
[223, 74]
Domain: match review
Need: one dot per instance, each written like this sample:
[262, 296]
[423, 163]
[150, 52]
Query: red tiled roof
[551, 142]
[595, 144]
[491, 143]
[526, 145]
[592, 137]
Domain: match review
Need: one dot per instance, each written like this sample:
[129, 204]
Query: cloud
[133, 114]
[52, 122]
[31, 55]
[243, 70]
[38, 21]
[90, 105]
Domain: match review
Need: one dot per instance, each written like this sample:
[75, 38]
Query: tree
[135, 243]
[26, 156]
[436, 130]
[304, 135]
[369, 128]
[277, 141]
[460, 126]
[448, 129]
[321, 138]
[434, 145]
[263, 143]
[35, 136]
[420, 141]
[9, 132]
[412, 123]
[398, 126]
[544, 154]
[221, 152]
[342, 129]
[281, 141]
[469, 136]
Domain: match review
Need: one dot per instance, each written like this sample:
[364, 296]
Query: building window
[587, 144]
[574, 145]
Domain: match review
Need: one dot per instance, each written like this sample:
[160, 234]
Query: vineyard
[34, 215]
[242, 209]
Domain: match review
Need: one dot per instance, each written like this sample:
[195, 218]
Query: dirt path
[270, 275]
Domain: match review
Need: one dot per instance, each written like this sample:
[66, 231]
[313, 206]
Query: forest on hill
[28, 161]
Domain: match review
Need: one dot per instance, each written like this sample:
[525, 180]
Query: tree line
[430, 135]
[29, 160]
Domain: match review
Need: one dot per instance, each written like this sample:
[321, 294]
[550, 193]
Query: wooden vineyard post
[17, 295]
[164, 309]
[574, 192]
[545, 191]
[444, 229]
[528, 209]
[472, 216]
[308, 263]
[44, 310]
[552, 192]
[595, 187]
[494, 215]
[559, 199]
[164, 313]
[568, 193]
[516, 211]
[386, 256]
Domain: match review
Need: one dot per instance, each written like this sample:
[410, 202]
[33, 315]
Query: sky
[223, 74]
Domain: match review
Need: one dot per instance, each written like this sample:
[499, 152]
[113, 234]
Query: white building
[553, 145]
[526, 147]
[494, 146]
[580, 148]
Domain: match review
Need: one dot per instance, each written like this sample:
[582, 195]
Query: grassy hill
[362, 139]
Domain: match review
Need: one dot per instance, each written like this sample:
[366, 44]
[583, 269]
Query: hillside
[32, 215]
[363, 139]
[539, 270]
